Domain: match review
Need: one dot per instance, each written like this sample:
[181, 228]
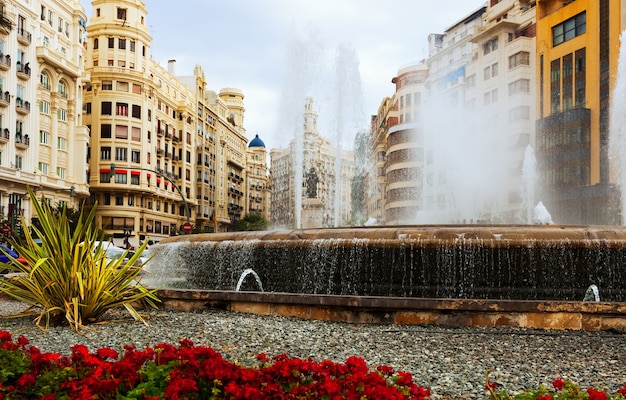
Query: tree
[253, 222]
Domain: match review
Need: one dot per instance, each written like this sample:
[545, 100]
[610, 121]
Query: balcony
[5, 99]
[24, 37]
[22, 142]
[160, 152]
[23, 71]
[5, 62]
[5, 135]
[160, 132]
[22, 107]
[58, 60]
[168, 135]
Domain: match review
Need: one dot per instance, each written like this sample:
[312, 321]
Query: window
[44, 137]
[490, 45]
[61, 172]
[44, 80]
[569, 29]
[105, 131]
[121, 132]
[121, 154]
[119, 199]
[136, 88]
[111, 43]
[62, 89]
[44, 107]
[121, 109]
[136, 134]
[132, 46]
[121, 44]
[521, 58]
[135, 156]
[121, 178]
[88, 108]
[122, 86]
[46, 41]
[62, 115]
[105, 153]
[519, 113]
[519, 86]
[95, 44]
[121, 13]
[43, 167]
[105, 108]
[62, 143]
[136, 111]
[107, 85]
[19, 161]
[134, 180]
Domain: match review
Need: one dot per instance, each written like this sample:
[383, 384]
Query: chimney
[170, 66]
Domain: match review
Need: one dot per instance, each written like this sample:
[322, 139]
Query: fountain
[510, 262]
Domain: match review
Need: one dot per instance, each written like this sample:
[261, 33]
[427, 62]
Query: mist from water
[465, 161]
[617, 153]
[332, 80]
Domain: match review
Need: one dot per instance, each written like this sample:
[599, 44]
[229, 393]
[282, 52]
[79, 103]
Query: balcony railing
[22, 107]
[24, 37]
[5, 99]
[5, 61]
[5, 135]
[22, 141]
[23, 70]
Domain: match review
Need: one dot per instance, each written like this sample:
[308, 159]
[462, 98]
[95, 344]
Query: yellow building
[577, 54]
[43, 142]
[258, 179]
[164, 150]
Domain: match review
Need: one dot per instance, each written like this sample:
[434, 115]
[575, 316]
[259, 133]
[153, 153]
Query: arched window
[95, 43]
[44, 80]
[62, 89]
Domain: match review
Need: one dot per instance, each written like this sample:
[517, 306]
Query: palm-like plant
[68, 276]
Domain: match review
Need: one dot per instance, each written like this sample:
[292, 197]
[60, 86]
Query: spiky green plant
[68, 276]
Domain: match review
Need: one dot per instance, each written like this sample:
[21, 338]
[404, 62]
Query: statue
[311, 183]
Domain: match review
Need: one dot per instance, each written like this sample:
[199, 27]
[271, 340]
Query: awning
[135, 173]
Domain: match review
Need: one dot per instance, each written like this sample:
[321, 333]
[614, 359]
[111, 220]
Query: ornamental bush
[68, 276]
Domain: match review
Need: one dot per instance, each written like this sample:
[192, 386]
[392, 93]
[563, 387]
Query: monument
[312, 207]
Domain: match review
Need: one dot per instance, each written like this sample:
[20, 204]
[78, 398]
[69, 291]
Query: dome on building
[256, 142]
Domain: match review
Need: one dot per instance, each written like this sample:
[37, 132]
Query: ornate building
[43, 141]
[164, 150]
[320, 155]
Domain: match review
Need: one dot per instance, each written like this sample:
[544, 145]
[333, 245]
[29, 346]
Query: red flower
[622, 390]
[544, 397]
[105, 353]
[596, 394]
[5, 336]
[558, 383]
[26, 380]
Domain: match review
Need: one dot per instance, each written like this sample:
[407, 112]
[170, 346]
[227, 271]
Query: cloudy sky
[268, 48]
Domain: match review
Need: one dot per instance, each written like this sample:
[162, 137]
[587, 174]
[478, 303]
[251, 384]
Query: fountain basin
[507, 262]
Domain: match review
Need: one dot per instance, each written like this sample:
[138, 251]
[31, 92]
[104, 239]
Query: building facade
[328, 163]
[164, 150]
[43, 140]
[577, 57]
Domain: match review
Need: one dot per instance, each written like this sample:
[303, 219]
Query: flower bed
[188, 371]
[197, 372]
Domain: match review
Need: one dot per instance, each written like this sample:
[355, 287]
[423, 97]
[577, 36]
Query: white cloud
[244, 44]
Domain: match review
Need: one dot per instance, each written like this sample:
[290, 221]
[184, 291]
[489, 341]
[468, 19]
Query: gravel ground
[451, 362]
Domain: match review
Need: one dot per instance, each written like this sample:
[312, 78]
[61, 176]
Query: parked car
[113, 252]
[4, 258]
